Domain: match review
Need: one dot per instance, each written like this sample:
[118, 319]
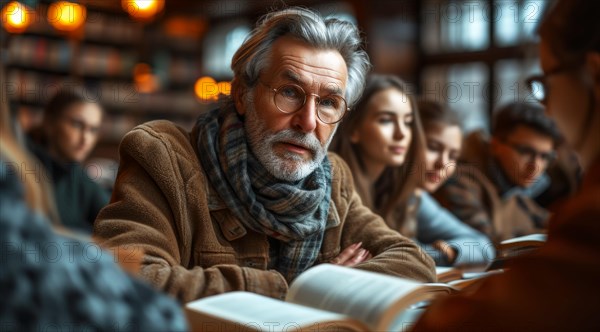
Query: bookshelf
[100, 59]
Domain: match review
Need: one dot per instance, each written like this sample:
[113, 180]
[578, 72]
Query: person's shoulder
[162, 129]
[339, 168]
[158, 134]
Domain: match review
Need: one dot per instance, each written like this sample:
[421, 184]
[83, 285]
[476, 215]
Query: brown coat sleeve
[150, 211]
[393, 253]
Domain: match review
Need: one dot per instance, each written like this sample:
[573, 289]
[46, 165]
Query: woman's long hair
[38, 194]
[389, 195]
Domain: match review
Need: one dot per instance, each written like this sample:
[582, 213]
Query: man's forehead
[295, 60]
[530, 136]
[332, 86]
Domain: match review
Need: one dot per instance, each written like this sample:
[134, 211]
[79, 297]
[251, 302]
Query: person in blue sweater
[443, 144]
[383, 143]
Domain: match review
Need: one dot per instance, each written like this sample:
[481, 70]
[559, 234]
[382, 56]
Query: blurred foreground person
[50, 281]
[556, 288]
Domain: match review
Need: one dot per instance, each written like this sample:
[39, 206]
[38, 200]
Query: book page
[445, 274]
[407, 320]
[526, 239]
[370, 297]
[256, 312]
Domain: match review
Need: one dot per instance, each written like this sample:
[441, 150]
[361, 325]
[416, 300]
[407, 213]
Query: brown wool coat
[163, 205]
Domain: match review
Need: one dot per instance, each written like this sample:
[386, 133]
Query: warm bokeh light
[66, 16]
[145, 81]
[224, 88]
[206, 89]
[185, 27]
[143, 9]
[16, 17]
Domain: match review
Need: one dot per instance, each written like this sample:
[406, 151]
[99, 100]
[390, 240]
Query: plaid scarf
[294, 213]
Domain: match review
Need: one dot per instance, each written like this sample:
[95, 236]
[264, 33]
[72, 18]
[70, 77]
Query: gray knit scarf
[295, 213]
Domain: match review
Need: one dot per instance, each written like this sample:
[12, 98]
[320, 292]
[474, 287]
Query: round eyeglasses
[290, 98]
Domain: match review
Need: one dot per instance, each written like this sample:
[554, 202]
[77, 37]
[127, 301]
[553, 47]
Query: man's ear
[237, 93]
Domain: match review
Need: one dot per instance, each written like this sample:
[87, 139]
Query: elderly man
[250, 199]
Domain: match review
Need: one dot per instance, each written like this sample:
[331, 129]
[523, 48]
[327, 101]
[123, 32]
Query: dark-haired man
[493, 187]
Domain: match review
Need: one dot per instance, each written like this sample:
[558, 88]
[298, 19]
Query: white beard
[289, 167]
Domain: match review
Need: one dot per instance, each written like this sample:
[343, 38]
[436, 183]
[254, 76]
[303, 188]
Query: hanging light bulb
[143, 10]
[16, 17]
[66, 16]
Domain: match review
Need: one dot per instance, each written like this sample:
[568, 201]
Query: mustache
[308, 141]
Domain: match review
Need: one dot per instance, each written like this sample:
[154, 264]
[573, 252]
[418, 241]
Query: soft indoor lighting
[66, 16]
[16, 17]
[143, 9]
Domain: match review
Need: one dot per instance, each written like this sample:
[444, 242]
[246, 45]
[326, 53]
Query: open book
[326, 297]
[521, 244]
[515, 247]
[447, 273]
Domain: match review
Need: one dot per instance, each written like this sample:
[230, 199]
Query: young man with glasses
[556, 288]
[494, 186]
[250, 198]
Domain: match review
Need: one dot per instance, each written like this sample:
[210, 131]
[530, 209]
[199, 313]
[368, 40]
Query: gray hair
[251, 58]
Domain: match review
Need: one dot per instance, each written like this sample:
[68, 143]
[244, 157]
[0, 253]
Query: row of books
[32, 87]
[63, 56]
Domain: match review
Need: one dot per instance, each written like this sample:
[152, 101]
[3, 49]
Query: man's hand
[352, 255]
[446, 249]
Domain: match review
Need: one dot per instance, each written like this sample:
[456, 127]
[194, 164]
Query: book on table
[448, 273]
[520, 245]
[324, 298]
[516, 247]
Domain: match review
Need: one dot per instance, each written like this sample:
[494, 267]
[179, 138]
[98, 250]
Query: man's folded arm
[393, 253]
[141, 219]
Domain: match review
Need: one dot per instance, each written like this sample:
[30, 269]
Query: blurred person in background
[50, 279]
[443, 146]
[494, 185]
[64, 140]
[555, 288]
[382, 141]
